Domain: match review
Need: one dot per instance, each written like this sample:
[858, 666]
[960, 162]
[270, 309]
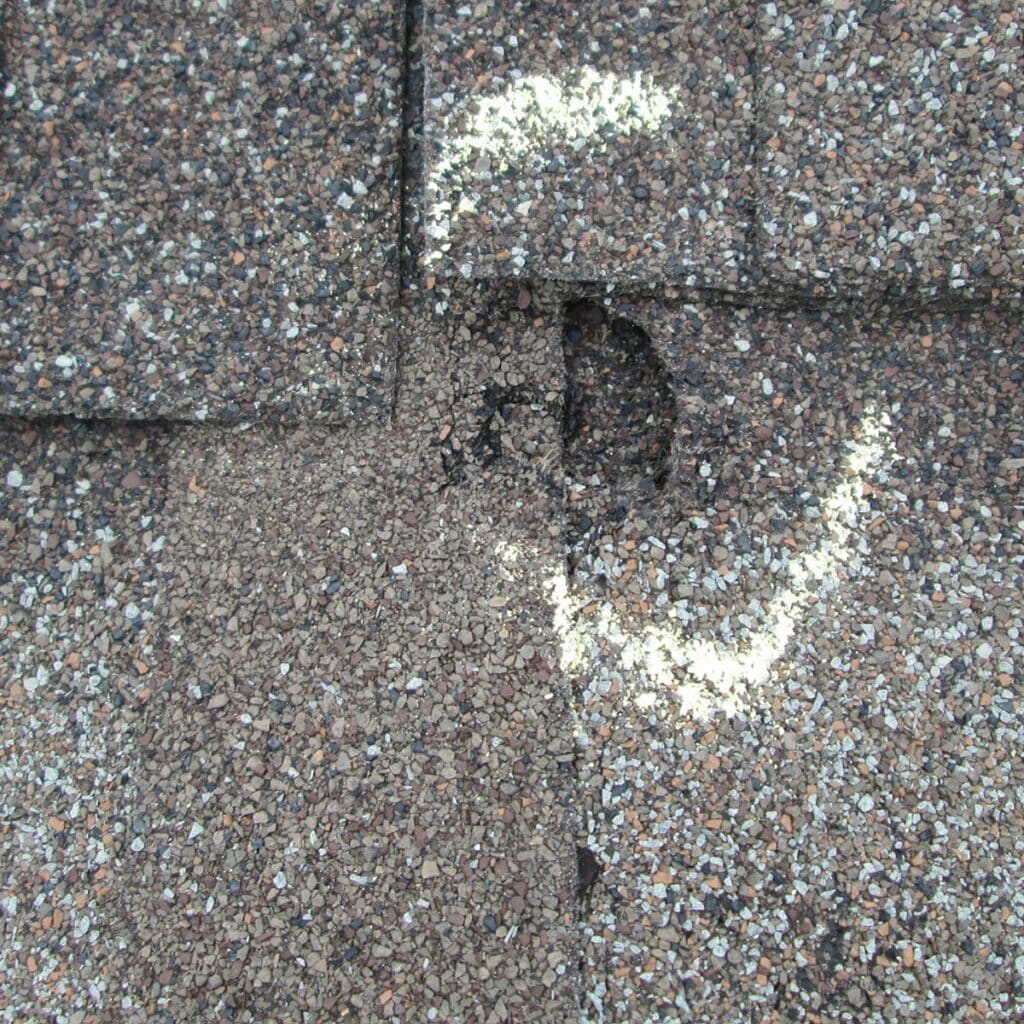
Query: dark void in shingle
[618, 420]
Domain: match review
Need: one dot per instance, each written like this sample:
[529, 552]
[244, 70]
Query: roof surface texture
[511, 512]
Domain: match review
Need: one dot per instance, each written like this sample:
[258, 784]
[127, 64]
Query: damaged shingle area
[810, 827]
[618, 421]
[268, 750]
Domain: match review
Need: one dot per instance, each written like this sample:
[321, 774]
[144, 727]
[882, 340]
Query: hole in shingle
[618, 420]
[588, 869]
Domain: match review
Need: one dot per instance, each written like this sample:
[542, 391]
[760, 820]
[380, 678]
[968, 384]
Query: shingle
[199, 209]
[80, 572]
[891, 154]
[607, 142]
[313, 753]
[796, 669]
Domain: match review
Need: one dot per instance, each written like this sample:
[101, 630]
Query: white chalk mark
[532, 114]
[704, 675]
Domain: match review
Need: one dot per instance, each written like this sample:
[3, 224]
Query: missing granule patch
[486, 447]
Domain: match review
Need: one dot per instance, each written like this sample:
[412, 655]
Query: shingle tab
[605, 141]
[891, 153]
[198, 209]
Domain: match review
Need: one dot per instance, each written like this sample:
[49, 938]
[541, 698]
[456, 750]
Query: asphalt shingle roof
[575, 578]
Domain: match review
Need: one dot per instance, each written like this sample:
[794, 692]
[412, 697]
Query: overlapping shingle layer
[784, 147]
